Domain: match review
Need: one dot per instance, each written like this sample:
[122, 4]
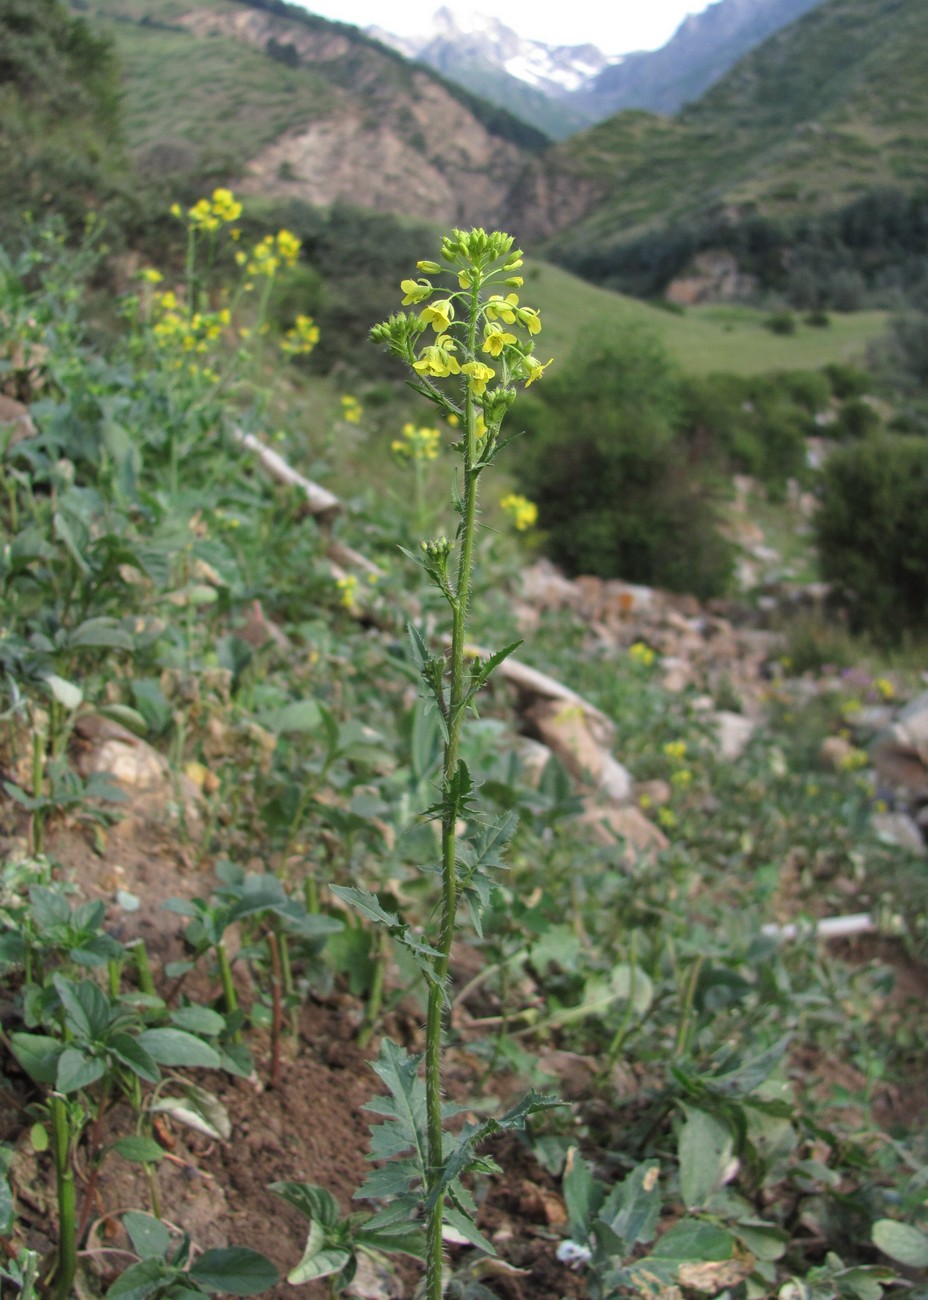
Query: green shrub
[856, 419]
[620, 493]
[872, 533]
[847, 381]
[781, 322]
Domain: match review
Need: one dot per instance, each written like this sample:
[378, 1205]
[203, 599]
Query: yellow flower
[502, 308]
[523, 513]
[530, 318]
[885, 687]
[675, 750]
[175, 210]
[225, 205]
[535, 369]
[438, 360]
[438, 314]
[302, 338]
[495, 338]
[417, 443]
[682, 777]
[288, 247]
[641, 653]
[479, 374]
[480, 430]
[347, 586]
[352, 410]
[415, 291]
[202, 217]
[150, 275]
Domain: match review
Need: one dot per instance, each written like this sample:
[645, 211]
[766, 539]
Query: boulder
[570, 731]
[608, 826]
[734, 732]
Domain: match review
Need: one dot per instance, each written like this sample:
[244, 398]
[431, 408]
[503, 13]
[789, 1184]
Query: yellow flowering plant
[467, 348]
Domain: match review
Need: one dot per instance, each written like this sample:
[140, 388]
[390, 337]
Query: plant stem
[64, 1182]
[277, 1006]
[230, 998]
[456, 697]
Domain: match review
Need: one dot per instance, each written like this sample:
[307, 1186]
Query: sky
[617, 27]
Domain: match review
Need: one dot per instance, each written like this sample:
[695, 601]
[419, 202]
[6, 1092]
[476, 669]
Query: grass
[703, 340]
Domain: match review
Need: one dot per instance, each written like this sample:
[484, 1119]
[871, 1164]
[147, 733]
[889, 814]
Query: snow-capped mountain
[528, 77]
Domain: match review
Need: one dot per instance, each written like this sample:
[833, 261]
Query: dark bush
[856, 419]
[848, 381]
[872, 533]
[781, 322]
[620, 493]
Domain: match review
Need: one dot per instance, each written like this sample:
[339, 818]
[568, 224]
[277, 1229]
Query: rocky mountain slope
[828, 108]
[303, 108]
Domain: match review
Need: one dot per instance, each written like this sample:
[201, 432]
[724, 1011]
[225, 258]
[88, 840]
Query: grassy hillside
[703, 340]
[830, 108]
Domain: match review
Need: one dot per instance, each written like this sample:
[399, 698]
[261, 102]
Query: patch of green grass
[704, 339]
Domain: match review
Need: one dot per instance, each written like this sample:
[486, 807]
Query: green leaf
[87, 1009]
[460, 1223]
[198, 1020]
[129, 718]
[484, 668]
[315, 1202]
[235, 1269]
[176, 1047]
[65, 692]
[298, 716]
[199, 1110]
[150, 1238]
[705, 1151]
[405, 1107]
[141, 1280]
[38, 1055]
[901, 1242]
[99, 634]
[691, 1240]
[579, 1192]
[140, 1150]
[633, 1207]
[77, 1070]
[128, 1051]
[319, 1260]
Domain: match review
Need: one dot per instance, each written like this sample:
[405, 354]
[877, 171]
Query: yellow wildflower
[502, 308]
[415, 291]
[417, 443]
[641, 653]
[225, 205]
[675, 750]
[288, 247]
[522, 512]
[150, 275]
[438, 360]
[352, 410]
[534, 368]
[347, 586]
[438, 314]
[479, 374]
[495, 338]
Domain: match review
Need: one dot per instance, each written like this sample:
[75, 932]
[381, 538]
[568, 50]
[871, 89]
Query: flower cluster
[479, 333]
[522, 512]
[270, 254]
[417, 443]
[352, 410]
[302, 338]
[210, 214]
[641, 654]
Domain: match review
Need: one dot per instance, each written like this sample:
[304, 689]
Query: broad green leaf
[199, 1110]
[100, 634]
[129, 718]
[38, 1055]
[579, 1192]
[148, 1235]
[318, 1259]
[87, 1009]
[176, 1047]
[764, 1240]
[235, 1269]
[140, 1150]
[632, 1209]
[77, 1070]
[198, 1020]
[901, 1242]
[459, 1223]
[65, 692]
[315, 1202]
[298, 716]
[693, 1240]
[130, 1053]
[705, 1150]
[49, 907]
[141, 1280]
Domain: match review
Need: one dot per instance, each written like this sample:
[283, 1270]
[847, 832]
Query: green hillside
[703, 340]
[833, 107]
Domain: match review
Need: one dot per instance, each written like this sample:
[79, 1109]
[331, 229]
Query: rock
[15, 414]
[151, 787]
[734, 732]
[835, 753]
[568, 730]
[900, 753]
[609, 825]
[899, 828]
